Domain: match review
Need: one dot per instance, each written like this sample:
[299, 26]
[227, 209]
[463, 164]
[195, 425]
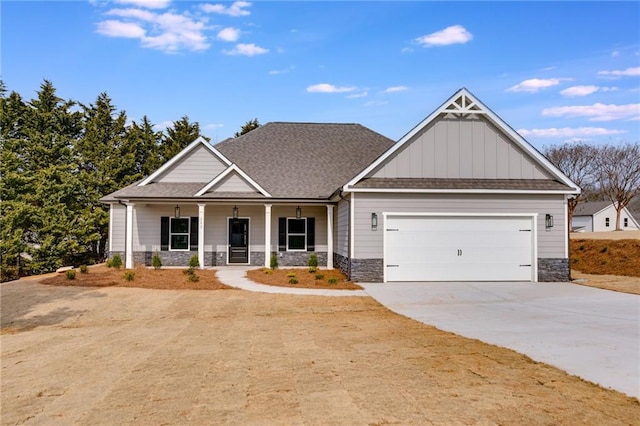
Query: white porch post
[201, 234]
[267, 235]
[128, 246]
[329, 236]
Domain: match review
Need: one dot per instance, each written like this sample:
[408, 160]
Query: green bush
[193, 277]
[156, 262]
[84, 269]
[129, 275]
[313, 261]
[71, 274]
[319, 277]
[116, 261]
[109, 263]
[293, 280]
[194, 262]
[332, 280]
[603, 250]
[274, 261]
[291, 275]
[312, 270]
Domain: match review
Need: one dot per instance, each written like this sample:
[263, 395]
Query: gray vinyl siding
[468, 148]
[341, 241]
[233, 183]
[146, 228]
[200, 165]
[118, 226]
[369, 244]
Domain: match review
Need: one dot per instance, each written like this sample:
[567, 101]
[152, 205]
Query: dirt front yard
[90, 356]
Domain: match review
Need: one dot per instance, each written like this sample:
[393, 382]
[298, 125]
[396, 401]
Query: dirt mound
[606, 257]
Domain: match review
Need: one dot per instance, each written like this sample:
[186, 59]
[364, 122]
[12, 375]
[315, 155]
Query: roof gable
[198, 162]
[232, 180]
[463, 139]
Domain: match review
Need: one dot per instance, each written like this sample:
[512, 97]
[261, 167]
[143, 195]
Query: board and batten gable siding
[200, 165]
[463, 148]
[232, 183]
[369, 244]
[117, 227]
[341, 239]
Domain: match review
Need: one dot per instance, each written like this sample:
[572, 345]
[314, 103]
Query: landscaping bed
[143, 277]
[302, 278]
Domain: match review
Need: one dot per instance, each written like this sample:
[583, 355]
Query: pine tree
[179, 137]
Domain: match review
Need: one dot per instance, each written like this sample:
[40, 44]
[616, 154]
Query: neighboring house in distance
[461, 197]
[599, 216]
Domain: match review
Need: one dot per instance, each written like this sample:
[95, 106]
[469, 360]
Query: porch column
[329, 236]
[267, 235]
[201, 234]
[128, 245]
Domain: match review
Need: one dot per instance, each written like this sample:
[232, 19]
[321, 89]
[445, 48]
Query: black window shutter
[164, 233]
[193, 237]
[311, 234]
[282, 234]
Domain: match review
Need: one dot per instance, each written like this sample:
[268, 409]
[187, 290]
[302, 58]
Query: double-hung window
[606, 222]
[296, 234]
[179, 233]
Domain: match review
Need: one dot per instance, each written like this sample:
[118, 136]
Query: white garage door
[427, 248]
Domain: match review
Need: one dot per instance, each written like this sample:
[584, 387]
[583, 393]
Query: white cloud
[455, 34]
[149, 4]
[535, 84]
[615, 54]
[596, 112]
[213, 126]
[282, 71]
[395, 89]
[169, 32]
[229, 34]
[406, 50]
[246, 50]
[236, 9]
[553, 67]
[358, 95]
[329, 88]
[629, 72]
[569, 132]
[120, 29]
[575, 91]
[163, 125]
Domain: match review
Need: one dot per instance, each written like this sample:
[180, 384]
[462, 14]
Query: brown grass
[306, 279]
[163, 279]
[606, 257]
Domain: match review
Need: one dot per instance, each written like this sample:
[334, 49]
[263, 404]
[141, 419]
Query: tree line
[58, 157]
[607, 172]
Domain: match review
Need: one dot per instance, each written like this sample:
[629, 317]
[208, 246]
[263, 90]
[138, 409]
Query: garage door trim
[532, 216]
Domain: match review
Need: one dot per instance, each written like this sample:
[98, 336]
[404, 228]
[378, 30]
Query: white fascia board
[457, 191]
[493, 117]
[179, 156]
[232, 168]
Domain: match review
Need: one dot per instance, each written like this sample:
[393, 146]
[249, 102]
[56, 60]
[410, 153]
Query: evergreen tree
[179, 137]
[247, 127]
[145, 143]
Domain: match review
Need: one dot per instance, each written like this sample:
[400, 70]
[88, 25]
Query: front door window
[238, 240]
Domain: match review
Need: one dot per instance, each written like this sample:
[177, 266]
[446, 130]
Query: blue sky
[554, 71]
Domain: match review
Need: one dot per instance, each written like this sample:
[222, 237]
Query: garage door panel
[458, 248]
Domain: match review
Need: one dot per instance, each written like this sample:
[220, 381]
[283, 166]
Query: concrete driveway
[588, 332]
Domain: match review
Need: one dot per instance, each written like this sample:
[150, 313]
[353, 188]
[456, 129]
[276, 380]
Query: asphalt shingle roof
[590, 208]
[304, 160]
[433, 183]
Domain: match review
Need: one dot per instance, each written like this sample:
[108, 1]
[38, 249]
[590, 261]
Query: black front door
[238, 240]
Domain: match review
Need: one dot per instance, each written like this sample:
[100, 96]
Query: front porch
[222, 234]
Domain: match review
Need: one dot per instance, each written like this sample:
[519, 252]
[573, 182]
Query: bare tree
[577, 162]
[618, 174]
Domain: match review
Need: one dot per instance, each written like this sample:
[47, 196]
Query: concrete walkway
[235, 276]
[588, 332]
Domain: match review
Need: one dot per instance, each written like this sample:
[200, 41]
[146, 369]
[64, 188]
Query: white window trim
[188, 219]
[305, 233]
[607, 222]
[625, 222]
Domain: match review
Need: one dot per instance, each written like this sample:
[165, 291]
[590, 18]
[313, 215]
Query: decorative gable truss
[201, 162]
[464, 106]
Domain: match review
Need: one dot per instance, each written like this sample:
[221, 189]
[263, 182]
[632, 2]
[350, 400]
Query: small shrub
[194, 262]
[84, 269]
[319, 277]
[603, 250]
[313, 261]
[116, 261]
[71, 274]
[268, 271]
[188, 271]
[293, 280]
[575, 260]
[129, 275]
[109, 263]
[312, 270]
[156, 262]
[581, 248]
[291, 275]
[274, 261]
[193, 277]
[332, 280]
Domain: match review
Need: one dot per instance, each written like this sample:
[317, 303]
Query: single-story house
[599, 216]
[460, 197]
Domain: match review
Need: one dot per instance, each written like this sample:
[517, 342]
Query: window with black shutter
[178, 233]
[296, 234]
